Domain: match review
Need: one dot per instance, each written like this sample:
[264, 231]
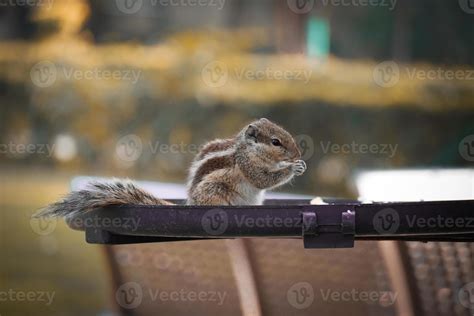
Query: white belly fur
[249, 195]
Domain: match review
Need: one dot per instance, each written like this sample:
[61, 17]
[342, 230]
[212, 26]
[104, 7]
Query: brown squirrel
[233, 171]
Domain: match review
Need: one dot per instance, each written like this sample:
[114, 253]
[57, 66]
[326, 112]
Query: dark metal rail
[335, 225]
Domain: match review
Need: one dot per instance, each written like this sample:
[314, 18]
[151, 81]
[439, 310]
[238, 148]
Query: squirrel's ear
[251, 132]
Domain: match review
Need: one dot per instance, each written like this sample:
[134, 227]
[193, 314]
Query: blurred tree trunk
[402, 29]
[289, 29]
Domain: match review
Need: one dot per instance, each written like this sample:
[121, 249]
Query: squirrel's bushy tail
[100, 194]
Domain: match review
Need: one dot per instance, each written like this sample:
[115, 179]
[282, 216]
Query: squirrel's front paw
[299, 167]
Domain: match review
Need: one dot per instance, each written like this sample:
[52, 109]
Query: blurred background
[133, 88]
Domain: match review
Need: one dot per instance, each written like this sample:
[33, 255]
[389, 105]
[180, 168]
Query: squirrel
[236, 171]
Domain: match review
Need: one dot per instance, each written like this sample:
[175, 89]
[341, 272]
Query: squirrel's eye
[276, 142]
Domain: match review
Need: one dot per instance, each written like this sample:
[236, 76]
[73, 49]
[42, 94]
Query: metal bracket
[336, 231]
